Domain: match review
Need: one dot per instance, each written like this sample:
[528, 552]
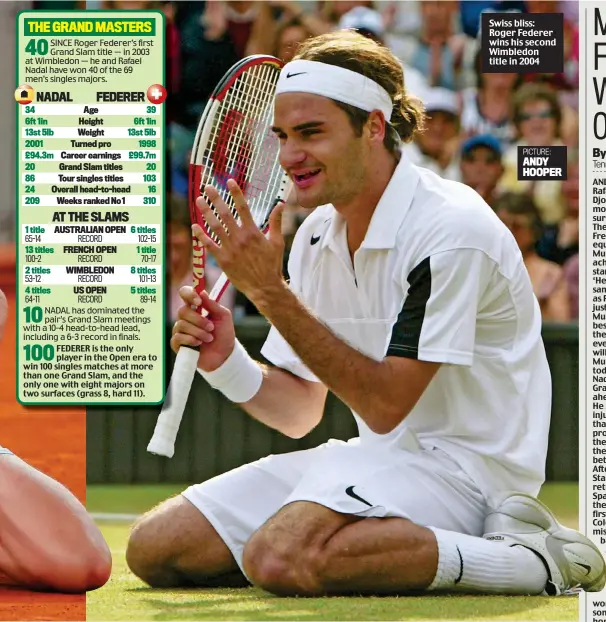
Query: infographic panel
[90, 241]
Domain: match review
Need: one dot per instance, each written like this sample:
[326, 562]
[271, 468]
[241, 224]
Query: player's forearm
[286, 403]
[367, 386]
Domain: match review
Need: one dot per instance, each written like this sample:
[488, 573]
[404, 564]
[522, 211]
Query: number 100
[38, 352]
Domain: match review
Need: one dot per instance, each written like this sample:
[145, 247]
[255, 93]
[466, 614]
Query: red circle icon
[156, 94]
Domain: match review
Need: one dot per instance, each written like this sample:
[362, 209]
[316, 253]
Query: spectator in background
[286, 20]
[173, 58]
[436, 148]
[487, 107]
[399, 22]
[521, 216]
[471, 10]
[481, 166]
[537, 116]
[568, 79]
[289, 36]
[438, 53]
[232, 19]
[207, 52]
[367, 22]
[571, 274]
[333, 10]
[371, 24]
[560, 241]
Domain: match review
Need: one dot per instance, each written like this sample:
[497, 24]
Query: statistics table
[90, 167]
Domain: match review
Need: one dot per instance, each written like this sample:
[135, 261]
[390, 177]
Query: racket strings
[241, 145]
[254, 117]
[254, 113]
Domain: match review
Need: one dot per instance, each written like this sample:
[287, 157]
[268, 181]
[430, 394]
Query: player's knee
[281, 569]
[141, 555]
[75, 571]
[145, 556]
[266, 567]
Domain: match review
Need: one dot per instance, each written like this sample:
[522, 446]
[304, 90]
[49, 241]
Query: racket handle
[167, 427]
[219, 287]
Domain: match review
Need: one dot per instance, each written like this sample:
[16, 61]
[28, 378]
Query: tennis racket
[233, 141]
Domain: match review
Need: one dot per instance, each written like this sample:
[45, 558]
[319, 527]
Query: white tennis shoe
[571, 559]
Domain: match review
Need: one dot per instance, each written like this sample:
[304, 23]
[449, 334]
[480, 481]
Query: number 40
[37, 46]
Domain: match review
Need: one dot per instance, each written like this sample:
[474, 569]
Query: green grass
[127, 598]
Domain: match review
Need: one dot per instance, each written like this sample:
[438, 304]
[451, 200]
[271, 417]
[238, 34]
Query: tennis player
[410, 301]
[47, 539]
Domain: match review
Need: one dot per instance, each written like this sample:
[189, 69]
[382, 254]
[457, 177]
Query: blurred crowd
[476, 120]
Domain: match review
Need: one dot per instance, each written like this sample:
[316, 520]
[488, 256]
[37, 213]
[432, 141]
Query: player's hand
[214, 334]
[252, 262]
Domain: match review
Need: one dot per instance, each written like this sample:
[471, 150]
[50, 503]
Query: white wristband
[239, 378]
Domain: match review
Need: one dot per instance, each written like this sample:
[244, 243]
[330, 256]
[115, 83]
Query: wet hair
[355, 52]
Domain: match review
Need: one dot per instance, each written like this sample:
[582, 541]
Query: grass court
[127, 598]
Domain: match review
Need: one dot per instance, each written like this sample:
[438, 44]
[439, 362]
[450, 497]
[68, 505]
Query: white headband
[343, 85]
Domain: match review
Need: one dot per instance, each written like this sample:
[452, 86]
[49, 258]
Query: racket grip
[165, 433]
[219, 287]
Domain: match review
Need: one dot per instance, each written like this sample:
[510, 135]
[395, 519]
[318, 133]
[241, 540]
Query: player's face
[319, 149]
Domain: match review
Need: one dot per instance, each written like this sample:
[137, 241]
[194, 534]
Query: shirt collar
[390, 211]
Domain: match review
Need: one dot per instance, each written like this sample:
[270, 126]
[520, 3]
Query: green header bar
[48, 27]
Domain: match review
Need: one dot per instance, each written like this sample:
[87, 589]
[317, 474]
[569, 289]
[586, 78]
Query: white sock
[469, 564]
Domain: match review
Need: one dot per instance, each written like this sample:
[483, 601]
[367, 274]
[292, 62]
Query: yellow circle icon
[24, 94]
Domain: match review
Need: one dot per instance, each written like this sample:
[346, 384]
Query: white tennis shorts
[369, 480]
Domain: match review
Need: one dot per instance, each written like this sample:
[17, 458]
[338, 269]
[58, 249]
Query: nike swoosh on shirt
[292, 75]
[349, 491]
[314, 240]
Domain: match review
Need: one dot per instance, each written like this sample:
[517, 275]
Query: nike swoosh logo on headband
[292, 75]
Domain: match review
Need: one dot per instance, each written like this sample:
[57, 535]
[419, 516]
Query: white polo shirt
[437, 278]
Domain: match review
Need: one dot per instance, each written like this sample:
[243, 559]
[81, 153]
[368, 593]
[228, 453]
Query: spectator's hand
[214, 334]
[169, 11]
[389, 15]
[568, 233]
[288, 6]
[435, 63]
[214, 20]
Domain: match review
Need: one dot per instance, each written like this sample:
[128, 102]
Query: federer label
[90, 201]
[542, 163]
